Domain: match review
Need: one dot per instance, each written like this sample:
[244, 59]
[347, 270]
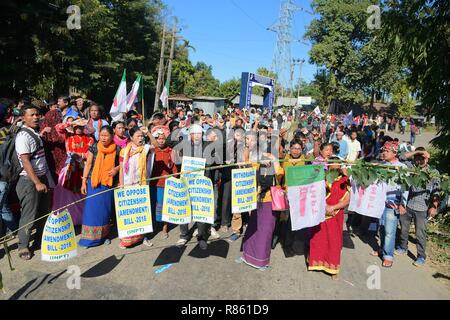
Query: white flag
[120, 100]
[132, 96]
[307, 195]
[317, 111]
[165, 95]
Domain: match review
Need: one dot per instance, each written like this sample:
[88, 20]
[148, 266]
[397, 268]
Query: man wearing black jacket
[194, 147]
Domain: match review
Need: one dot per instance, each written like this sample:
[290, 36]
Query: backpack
[10, 167]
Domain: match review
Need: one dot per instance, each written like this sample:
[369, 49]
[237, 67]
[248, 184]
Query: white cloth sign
[368, 202]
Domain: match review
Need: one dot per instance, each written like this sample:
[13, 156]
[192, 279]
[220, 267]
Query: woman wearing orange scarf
[102, 166]
[133, 170]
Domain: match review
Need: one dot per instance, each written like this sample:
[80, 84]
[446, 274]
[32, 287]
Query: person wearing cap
[395, 206]
[194, 147]
[163, 165]
[77, 137]
[422, 206]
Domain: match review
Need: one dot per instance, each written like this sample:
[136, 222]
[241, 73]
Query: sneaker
[107, 242]
[233, 237]
[223, 229]
[420, 262]
[214, 234]
[203, 245]
[400, 252]
[181, 242]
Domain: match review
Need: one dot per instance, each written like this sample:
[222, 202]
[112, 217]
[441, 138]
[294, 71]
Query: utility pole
[160, 70]
[299, 62]
[172, 49]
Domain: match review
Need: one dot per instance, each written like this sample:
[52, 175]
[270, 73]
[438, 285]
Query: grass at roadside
[439, 244]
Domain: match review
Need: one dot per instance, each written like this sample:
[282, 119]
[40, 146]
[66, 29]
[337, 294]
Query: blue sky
[231, 35]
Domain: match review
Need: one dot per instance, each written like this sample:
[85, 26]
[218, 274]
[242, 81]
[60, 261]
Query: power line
[250, 17]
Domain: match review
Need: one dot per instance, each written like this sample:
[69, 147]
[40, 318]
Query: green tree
[402, 98]
[182, 71]
[229, 88]
[39, 52]
[202, 82]
[418, 31]
[354, 64]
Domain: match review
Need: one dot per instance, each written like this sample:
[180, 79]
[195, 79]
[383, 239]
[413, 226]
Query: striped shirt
[394, 193]
[419, 198]
[3, 134]
[26, 144]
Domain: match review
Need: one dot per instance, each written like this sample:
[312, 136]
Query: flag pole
[142, 100]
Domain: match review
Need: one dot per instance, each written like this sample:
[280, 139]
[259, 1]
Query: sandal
[375, 253]
[25, 255]
[387, 263]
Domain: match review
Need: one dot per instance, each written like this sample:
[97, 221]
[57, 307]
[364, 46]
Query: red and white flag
[119, 105]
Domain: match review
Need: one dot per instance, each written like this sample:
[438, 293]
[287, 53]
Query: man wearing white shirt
[34, 181]
[354, 147]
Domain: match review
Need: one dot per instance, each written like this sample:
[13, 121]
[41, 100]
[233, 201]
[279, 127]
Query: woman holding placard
[162, 166]
[102, 166]
[257, 243]
[133, 171]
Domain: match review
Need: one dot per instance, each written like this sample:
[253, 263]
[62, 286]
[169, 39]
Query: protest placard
[176, 206]
[58, 240]
[369, 201]
[201, 193]
[133, 211]
[192, 163]
[306, 194]
[243, 190]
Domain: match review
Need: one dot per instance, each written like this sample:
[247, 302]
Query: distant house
[257, 101]
[176, 99]
[209, 105]
[286, 102]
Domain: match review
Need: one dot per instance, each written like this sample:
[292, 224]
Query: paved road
[422, 140]
[111, 273]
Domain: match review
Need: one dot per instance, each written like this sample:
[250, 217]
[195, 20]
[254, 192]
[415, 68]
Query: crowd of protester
[69, 149]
